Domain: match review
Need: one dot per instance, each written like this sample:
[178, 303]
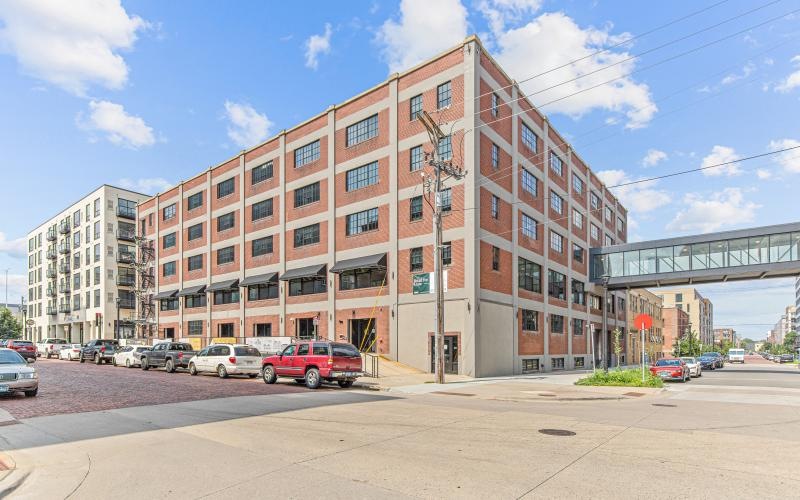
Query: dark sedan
[707, 362]
[719, 359]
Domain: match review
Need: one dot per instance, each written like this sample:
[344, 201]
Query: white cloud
[17, 248]
[119, 127]
[637, 198]
[709, 213]
[316, 45]
[792, 81]
[424, 28]
[247, 126]
[146, 185]
[788, 160]
[70, 44]
[529, 50]
[763, 174]
[17, 287]
[498, 13]
[747, 70]
[653, 157]
[718, 155]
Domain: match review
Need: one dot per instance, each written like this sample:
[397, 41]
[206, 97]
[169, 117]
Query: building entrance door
[362, 333]
[450, 354]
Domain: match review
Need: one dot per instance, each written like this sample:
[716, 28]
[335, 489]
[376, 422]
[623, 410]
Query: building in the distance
[784, 325]
[326, 230]
[724, 335]
[80, 273]
[676, 326]
[796, 326]
[643, 301]
[699, 309]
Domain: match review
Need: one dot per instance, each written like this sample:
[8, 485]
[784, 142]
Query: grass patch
[621, 378]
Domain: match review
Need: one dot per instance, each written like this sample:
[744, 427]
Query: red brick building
[321, 229]
[676, 324]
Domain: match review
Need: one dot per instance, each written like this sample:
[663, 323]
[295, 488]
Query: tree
[10, 328]
[617, 346]
[789, 341]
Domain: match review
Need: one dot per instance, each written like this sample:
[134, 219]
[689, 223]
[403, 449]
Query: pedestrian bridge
[745, 254]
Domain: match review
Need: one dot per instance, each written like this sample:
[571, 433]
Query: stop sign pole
[646, 323]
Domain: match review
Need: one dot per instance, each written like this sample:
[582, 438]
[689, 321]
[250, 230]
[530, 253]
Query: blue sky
[148, 93]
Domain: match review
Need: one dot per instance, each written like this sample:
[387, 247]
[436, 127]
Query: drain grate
[665, 405]
[556, 432]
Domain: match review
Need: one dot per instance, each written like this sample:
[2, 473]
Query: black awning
[304, 272]
[192, 290]
[223, 285]
[368, 262]
[259, 279]
[166, 295]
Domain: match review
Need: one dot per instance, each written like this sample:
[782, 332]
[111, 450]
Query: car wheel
[81, 358]
[345, 384]
[169, 366]
[114, 361]
[145, 364]
[192, 369]
[269, 375]
[127, 363]
[222, 372]
[312, 378]
[97, 359]
[31, 394]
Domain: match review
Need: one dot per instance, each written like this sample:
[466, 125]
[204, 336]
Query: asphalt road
[755, 372]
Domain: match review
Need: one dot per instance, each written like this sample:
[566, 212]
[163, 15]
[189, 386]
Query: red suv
[25, 348]
[311, 362]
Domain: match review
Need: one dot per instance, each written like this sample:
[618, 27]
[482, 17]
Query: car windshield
[668, 362]
[246, 351]
[345, 350]
[709, 354]
[23, 342]
[142, 348]
[10, 358]
[688, 360]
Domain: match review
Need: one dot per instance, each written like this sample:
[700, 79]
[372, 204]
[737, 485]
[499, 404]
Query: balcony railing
[64, 227]
[51, 234]
[64, 267]
[64, 288]
[126, 257]
[127, 303]
[51, 310]
[51, 272]
[64, 308]
[126, 279]
[51, 253]
[51, 292]
[63, 248]
[126, 234]
[126, 213]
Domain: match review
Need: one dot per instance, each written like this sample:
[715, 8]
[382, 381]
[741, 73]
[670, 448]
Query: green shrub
[623, 378]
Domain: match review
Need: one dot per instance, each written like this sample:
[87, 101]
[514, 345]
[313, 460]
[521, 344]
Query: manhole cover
[556, 432]
[665, 405]
[633, 394]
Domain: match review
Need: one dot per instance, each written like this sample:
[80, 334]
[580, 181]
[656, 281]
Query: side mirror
[30, 360]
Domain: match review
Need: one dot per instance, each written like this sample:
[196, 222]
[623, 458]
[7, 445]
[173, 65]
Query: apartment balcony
[64, 268]
[51, 253]
[64, 288]
[51, 272]
[51, 234]
[126, 279]
[64, 227]
[127, 303]
[126, 257]
[63, 248]
[126, 213]
[51, 311]
[51, 292]
[126, 234]
[64, 308]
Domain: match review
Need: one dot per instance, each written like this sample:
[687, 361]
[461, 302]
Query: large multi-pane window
[530, 320]
[557, 285]
[608, 240]
[362, 278]
[196, 327]
[361, 222]
[495, 105]
[195, 232]
[360, 177]
[529, 182]
[495, 207]
[169, 240]
[578, 292]
[170, 304]
[306, 194]
[415, 106]
[577, 329]
[529, 138]
[225, 255]
[261, 209]
[556, 242]
[126, 208]
[262, 329]
[194, 263]
[577, 252]
[609, 214]
[416, 157]
[577, 184]
[447, 199]
[192, 301]
[226, 221]
[415, 208]
[263, 291]
[577, 219]
[445, 149]
[168, 269]
[262, 246]
[495, 258]
[226, 187]
[556, 164]
[443, 95]
[306, 154]
[556, 203]
[528, 226]
[530, 275]
[447, 253]
[620, 224]
[415, 259]
[261, 173]
[557, 326]
[169, 212]
[595, 232]
[362, 131]
[594, 201]
[230, 296]
[307, 286]
[307, 235]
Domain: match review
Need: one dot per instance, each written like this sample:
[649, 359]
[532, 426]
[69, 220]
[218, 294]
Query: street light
[605, 277]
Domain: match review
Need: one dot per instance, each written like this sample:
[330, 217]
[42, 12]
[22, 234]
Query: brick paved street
[71, 387]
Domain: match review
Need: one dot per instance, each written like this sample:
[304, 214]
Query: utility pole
[6, 288]
[439, 165]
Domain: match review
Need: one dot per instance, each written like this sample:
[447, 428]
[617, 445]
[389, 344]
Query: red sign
[643, 321]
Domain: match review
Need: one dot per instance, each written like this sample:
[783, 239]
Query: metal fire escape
[145, 286]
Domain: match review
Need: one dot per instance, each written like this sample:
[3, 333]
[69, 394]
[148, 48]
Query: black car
[719, 359]
[786, 358]
[99, 351]
[707, 362]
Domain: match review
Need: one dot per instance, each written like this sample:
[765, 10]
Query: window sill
[362, 233]
[306, 245]
[307, 205]
[307, 164]
[229, 195]
[268, 218]
[365, 141]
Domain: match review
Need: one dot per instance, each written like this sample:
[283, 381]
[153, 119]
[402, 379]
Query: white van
[736, 356]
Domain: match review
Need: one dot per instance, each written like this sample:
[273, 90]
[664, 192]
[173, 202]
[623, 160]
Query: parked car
[227, 359]
[695, 368]
[671, 369]
[50, 347]
[169, 355]
[785, 358]
[313, 362]
[720, 363]
[707, 362]
[17, 374]
[736, 355]
[25, 348]
[99, 350]
[70, 352]
[130, 355]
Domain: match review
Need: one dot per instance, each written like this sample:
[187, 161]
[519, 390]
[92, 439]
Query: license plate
[664, 375]
[3, 388]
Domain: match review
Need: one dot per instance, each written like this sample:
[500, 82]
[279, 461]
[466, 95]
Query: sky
[144, 94]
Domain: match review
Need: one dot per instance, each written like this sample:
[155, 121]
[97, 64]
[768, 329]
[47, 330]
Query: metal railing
[51, 234]
[126, 213]
[63, 248]
[51, 253]
[64, 227]
[126, 234]
[64, 308]
[127, 303]
[51, 292]
[51, 272]
[64, 267]
[51, 310]
[126, 279]
[126, 257]
[371, 364]
[64, 288]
